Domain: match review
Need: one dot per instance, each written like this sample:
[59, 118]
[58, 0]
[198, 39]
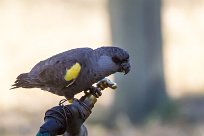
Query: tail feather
[23, 80]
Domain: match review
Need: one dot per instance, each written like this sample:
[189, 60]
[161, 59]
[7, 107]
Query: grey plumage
[95, 65]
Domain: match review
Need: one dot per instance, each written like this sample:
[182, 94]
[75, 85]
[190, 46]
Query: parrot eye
[116, 60]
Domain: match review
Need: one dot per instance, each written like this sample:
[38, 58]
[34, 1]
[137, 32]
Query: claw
[94, 91]
[105, 83]
[101, 85]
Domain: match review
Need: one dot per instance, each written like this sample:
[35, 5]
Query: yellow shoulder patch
[73, 72]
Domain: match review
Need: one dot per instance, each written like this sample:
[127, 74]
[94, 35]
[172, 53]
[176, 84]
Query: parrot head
[122, 62]
[121, 59]
[114, 58]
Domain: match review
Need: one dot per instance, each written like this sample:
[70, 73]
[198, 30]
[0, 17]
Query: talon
[95, 91]
[101, 86]
[113, 86]
[105, 83]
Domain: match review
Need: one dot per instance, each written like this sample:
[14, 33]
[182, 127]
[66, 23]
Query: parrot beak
[125, 67]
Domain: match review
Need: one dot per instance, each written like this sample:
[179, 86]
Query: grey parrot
[74, 71]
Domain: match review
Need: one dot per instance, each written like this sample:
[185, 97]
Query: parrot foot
[94, 91]
[105, 83]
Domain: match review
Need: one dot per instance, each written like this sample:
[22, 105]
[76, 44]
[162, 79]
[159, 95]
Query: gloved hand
[65, 118]
[80, 111]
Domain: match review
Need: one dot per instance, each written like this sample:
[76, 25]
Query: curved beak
[125, 67]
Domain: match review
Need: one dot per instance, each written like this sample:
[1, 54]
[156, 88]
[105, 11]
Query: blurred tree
[136, 26]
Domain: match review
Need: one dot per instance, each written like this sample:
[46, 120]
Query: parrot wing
[62, 69]
[61, 74]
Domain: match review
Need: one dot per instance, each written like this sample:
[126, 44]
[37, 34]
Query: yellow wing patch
[73, 72]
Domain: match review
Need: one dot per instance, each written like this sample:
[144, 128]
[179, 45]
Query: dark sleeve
[83, 132]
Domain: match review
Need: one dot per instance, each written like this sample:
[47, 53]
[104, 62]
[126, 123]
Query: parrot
[74, 71]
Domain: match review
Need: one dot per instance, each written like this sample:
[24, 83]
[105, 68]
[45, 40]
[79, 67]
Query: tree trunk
[136, 27]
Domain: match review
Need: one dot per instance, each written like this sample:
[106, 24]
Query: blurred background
[163, 93]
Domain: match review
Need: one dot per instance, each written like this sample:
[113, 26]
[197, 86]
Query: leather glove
[65, 118]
